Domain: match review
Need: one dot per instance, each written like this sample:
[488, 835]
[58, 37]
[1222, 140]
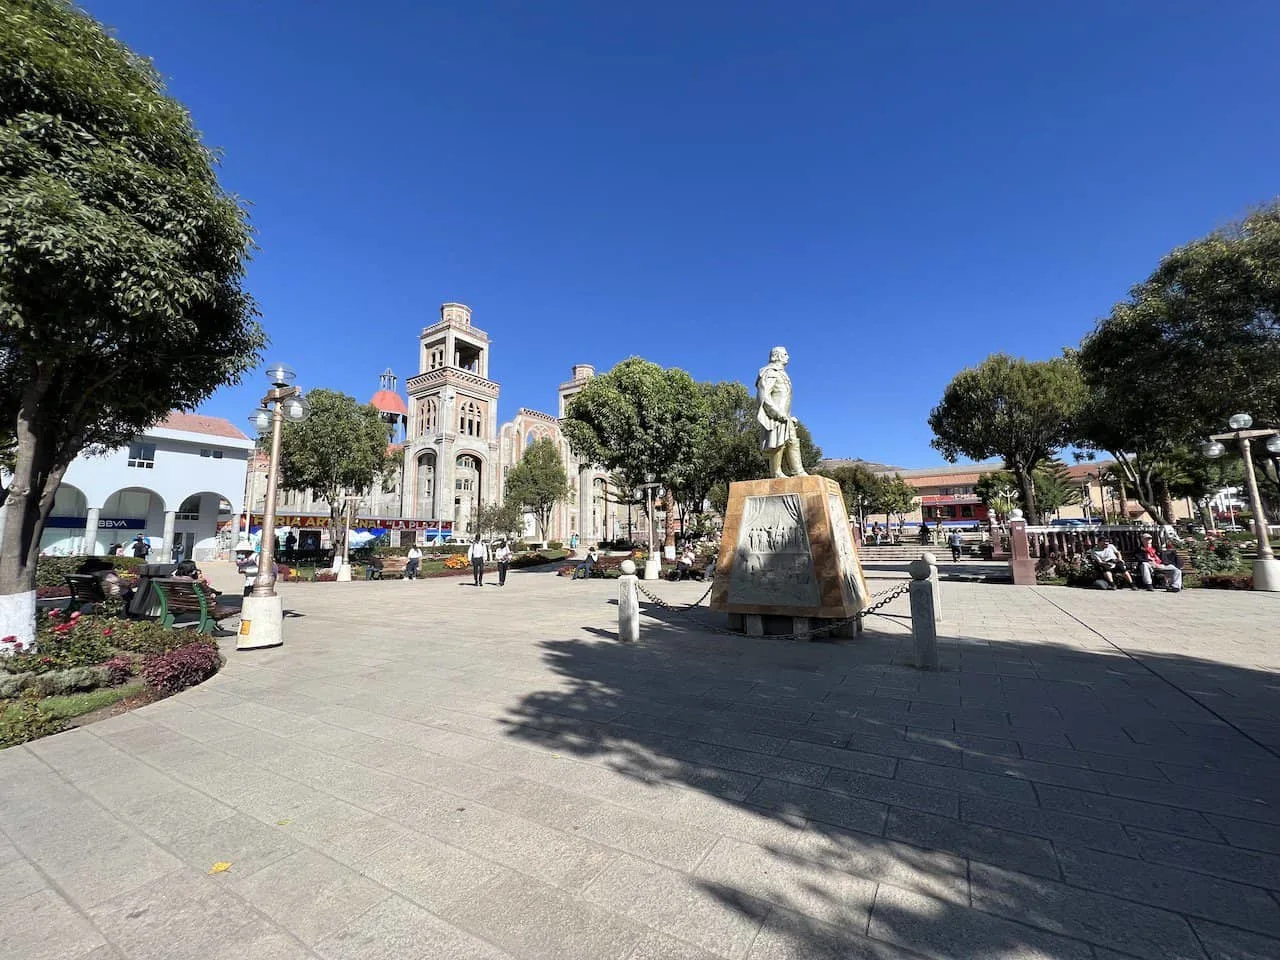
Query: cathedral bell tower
[451, 447]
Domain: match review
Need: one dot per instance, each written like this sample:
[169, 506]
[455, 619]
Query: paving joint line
[1158, 675]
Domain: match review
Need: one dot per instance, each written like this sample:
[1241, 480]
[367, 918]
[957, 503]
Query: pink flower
[54, 614]
[76, 615]
[9, 639]
[106, 632]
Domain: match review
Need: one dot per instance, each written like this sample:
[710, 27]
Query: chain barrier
[878, 602]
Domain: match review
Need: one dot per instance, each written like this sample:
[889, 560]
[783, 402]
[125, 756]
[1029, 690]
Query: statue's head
[779, 355]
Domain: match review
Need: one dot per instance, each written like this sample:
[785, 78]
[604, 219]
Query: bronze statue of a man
[777, 426]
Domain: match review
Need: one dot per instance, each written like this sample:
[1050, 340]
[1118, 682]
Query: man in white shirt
[415, 559]
[479, 553]
[1109, 560]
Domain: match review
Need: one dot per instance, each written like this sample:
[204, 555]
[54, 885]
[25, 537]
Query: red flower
[106, 632]
[63, 627]
[76, 615]
[9, 639]
[54, 614]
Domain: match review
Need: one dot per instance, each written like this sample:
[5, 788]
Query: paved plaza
[430, 770]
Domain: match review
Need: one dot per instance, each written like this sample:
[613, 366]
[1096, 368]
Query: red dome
[388, 401]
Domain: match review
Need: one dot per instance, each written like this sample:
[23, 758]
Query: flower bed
[1227, 581]
[78, 653]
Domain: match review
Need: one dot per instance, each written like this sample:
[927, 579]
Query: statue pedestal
[788, 551]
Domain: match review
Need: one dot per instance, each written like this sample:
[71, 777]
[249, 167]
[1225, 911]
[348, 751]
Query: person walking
[415, 558]
[503, 556]
[479, 553]
[140, 547]
[956, 542]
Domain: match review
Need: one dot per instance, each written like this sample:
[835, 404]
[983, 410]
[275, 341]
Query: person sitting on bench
[587, 565]
[105, 571]
[1150, 559]
[1109, 561]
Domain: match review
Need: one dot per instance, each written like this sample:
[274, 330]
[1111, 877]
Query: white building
[181, 483]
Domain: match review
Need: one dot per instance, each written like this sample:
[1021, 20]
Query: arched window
[468, 475]
[469, 419]
[530, 440]
[428, 418]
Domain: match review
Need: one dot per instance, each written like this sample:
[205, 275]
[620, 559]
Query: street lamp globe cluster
[1266, 569]
[262, 616]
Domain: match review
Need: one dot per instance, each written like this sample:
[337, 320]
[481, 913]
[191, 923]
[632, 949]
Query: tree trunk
[28, 504]
[1027, 488]
[669, 506]
[1166, 503]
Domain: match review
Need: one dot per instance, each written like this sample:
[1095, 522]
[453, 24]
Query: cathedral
[451, 454]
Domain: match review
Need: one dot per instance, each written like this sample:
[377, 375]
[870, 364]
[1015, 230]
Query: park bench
[85, 588]
[389, 567]
[179, 597]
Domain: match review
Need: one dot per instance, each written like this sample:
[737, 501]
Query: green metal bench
[179, 597]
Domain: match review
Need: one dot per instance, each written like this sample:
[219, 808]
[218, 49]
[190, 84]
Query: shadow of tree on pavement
[1030, 799]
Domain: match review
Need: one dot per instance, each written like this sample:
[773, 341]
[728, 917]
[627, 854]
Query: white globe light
[280, 374]
[296, 409]
[1273, 443]
[261, 419]
[1212, 449]
[1241, 421]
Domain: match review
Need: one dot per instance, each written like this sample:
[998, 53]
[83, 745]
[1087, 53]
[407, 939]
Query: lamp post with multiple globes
[1266, 569]
[262, 616]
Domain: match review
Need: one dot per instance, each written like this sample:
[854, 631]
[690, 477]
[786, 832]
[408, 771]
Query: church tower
[451, 447]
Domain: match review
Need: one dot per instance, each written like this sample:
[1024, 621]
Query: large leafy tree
[1023, 411]
[121, 265]
[1195, 342]
[538, 482]
[647, 422]
[339, 450]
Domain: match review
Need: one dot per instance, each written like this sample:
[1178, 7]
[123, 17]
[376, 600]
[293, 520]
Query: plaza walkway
[430, 770]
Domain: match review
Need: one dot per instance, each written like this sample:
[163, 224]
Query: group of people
[480, 553]
[1112, 565]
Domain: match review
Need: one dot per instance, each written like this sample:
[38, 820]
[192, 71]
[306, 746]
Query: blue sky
[892, 191]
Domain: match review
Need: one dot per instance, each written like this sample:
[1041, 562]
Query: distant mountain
[832, 463]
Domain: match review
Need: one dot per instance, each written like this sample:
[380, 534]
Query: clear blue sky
[892, 191]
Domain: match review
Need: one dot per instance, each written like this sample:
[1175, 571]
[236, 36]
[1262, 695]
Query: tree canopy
[340, 449]
[1022, 411]
[1195, 342]
[121, 261]
[538, 482]
[505, 519]
[642, 420]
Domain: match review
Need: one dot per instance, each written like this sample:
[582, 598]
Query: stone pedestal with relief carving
[788, 551]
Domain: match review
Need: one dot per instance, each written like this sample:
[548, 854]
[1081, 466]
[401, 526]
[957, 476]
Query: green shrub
[1214, 554]
[23, 719]
[50, 571]
[555, 545]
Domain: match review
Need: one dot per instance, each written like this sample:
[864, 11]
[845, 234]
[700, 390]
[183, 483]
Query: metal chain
[878, 602]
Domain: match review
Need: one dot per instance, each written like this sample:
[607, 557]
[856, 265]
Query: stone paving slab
[430, 770]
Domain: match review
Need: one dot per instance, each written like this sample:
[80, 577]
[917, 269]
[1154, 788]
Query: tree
[502, 519]
[538, 482]
[1195, 342]
[1020, 410]
[1055, 487]
[860, 488]
[896, 497]
[339, 450]
[121, 266]
[647, 422]
[999, 491]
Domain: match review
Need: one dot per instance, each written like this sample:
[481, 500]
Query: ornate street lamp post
[1266, 569]
[262, 616]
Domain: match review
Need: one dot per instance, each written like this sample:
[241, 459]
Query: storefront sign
[433, 528]
[104, 523]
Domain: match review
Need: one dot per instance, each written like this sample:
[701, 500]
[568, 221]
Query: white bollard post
[932, 561]
[628, 604]
[924, 624]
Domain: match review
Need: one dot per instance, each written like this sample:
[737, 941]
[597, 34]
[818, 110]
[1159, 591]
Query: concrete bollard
[924, 624]
[932, 561]
[628, 604]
